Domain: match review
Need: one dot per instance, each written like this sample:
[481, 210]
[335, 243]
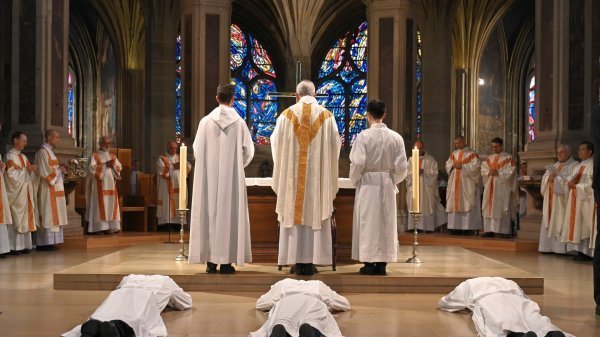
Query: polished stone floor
[30, 306]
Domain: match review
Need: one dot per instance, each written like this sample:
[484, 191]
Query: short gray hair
[564, 146]
[103, 138]
[305, 88]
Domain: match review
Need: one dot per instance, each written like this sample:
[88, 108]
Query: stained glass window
[70, 102]
[343, 77]
[531, 110]
[178, 116]
[254, 78]
[419, 84]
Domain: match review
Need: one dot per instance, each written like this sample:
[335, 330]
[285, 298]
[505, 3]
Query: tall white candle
[182, 176]
[416, 181]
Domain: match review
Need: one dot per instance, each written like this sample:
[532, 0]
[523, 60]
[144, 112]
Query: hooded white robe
[219, 226]
[289, 286]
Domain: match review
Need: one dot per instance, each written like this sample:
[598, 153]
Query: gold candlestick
[415, 258]
[182, 215]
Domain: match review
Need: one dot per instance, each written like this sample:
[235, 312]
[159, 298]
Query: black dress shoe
[278, 331]
[297, 269]
[487, 235]
[15, 252]
[211, 268]
[226, 269]
[47, 248]
[26, 251]
[380, 268]
[309, 269]
[3, 256]
[368, 269]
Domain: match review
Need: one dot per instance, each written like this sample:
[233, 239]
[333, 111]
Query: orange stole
[574, 204]
[53, 193]
[461, 161]
[551, 192]
[305, 133]
[30, 217]
[495, 165]
[101, 192]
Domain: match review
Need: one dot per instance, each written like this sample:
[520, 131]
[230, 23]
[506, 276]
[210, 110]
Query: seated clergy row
[569, 212]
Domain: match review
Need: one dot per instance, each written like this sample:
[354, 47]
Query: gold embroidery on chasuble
[305, 133]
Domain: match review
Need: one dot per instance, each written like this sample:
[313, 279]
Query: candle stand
[181, 256]
[415, 258]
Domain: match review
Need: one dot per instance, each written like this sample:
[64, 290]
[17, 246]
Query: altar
[264, 230]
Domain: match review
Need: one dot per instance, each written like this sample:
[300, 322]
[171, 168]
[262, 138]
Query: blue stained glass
[178, 83]
[359, 87]
[240, 106]
[70, 102]
[419, 76]
[240, 88]
[356, 113]
[262, 88]
[348, 74]
[357, 125]
[253, 75]
[359, 101]
[531, 117]
[178, 48]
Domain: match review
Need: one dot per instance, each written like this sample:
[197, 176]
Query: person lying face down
[318, 289]
[134, 308]
[299, 315]
[500, 308]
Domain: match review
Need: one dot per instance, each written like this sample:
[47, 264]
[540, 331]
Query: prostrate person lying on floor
[500, 308]
[318, 289]
[300, 315]
[137, 303]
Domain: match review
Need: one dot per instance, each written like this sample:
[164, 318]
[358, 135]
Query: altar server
[219, 227]
[377, 165]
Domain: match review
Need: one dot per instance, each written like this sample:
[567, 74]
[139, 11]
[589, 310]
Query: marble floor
[30, 306]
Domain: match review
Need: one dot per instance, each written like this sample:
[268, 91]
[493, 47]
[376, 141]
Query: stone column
[391, 73]
[205, 31]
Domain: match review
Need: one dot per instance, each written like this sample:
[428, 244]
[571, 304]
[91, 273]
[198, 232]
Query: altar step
[443, 268]
[471, 242]
[122, 239]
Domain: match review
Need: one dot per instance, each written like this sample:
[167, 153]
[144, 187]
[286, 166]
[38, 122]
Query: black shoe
[3, 256]
[26, 251]
[487, 235]
[91, 328]
[306, 330]
[555, 334]
[582, 257]
[278, 331]
[15, 252]
[368, 269]
[297, 269]
[211, 268]
[226, 269]
[309, 269]
[380, 268]
[598, 309]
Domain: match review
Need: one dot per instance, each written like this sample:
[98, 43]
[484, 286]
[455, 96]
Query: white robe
[293, 311]
[498, 193]
[579, 225]
[51, 202]
[378, 164]
[102, 210]
[305, 181]
[318, 289]
[168, 188]
[5, 216]
[433, 213]
[555, 203]
[498, 306]
[20, 193]
[462, 195]
[138, 301]
[220, 227]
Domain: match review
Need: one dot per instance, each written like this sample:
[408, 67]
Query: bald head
[172, 147]
[52, 137]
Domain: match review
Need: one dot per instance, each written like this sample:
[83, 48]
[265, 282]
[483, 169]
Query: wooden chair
[135, 204]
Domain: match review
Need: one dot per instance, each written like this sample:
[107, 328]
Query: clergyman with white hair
[555, 192]
[305, 146]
